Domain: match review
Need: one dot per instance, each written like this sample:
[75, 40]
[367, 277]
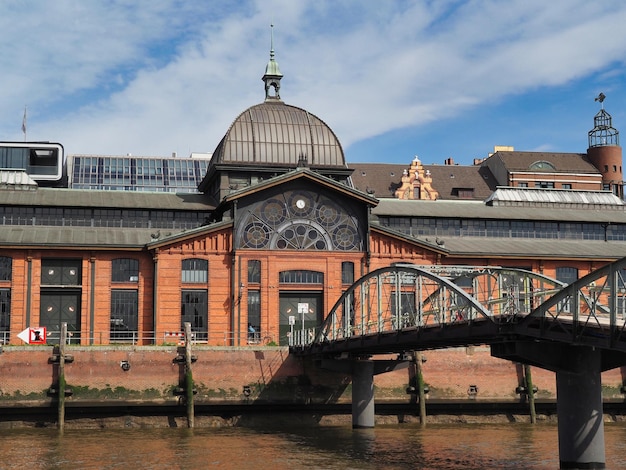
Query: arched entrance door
[299, 311]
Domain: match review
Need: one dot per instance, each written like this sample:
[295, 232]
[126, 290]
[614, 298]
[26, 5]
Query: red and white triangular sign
[33, 335]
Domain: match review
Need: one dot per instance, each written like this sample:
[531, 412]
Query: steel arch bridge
[413, 307]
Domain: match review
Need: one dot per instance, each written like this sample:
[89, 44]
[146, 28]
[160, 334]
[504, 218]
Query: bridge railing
[591, 310]
[392, 299]
[405, 296]
[302, 337]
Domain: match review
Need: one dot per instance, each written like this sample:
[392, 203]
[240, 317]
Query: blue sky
[393, 78]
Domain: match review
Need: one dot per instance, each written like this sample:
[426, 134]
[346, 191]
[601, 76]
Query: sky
[394, 79]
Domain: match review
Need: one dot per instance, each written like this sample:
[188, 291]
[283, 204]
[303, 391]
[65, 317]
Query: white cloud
[154, 77]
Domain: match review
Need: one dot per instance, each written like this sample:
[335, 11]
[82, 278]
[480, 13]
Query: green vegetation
[435, 392]
[219, 393]
[116, 393]
[19, 396]
[612, 391]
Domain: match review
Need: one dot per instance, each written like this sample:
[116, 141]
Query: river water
[404, 446]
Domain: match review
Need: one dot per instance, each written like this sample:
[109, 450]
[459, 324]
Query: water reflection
[403, 446]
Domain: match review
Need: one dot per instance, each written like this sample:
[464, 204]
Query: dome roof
[279, 135]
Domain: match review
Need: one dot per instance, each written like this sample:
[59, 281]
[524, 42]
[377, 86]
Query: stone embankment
[134, 386]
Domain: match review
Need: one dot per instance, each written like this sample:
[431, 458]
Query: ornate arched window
[299, 220]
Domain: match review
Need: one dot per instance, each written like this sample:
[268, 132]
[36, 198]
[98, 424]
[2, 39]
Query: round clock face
[300, 203]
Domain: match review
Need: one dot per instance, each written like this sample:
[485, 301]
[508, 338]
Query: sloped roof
[101, 238]
[560, 197]
[59, 197]
[562, 162]
[16, 180]
[479, 210]
[382, 179]
[377, 179]
[303, 173]
[523, 248]
[448, 179]
[534, 248]
[74, 237]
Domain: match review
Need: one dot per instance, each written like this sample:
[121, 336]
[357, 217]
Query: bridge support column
[363, 414]
[578, 394]
[362, 370]
[579, 411]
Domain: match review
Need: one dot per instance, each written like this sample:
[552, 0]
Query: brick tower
[604, 151]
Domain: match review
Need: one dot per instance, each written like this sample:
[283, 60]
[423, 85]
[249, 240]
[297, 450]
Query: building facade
[279, 227]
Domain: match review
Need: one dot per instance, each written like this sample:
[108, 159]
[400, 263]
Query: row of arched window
[195, 270]
[300, 276]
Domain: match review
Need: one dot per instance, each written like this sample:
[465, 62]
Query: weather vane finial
[600, 98]
[272, 40]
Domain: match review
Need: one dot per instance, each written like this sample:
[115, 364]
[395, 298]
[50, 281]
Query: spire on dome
[272, 74]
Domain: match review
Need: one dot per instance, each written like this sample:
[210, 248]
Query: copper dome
[274, 134]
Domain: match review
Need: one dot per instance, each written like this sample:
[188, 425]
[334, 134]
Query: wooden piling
[528, 378]
[189, 385]
[61, 381]
[420, 387]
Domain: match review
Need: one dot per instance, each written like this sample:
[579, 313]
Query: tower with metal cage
[604, 151]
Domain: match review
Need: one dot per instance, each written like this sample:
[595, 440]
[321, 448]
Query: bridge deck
[406, 307]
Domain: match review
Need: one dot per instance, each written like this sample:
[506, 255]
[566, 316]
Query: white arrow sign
[33, 335]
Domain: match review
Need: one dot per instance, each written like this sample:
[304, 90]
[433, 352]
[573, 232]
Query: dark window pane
[254, 271]
[5, 315]
[347, 272]
[254, 316]
[125, 270]
[194, 310]
[124, 315]
[5, 268]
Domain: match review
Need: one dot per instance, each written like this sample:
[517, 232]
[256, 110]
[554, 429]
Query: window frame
[6, 268]
[194, 271]
[347, 272]
[128, 300]
[124, 270]
[200, 331]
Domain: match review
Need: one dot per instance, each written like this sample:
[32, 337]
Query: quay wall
[261, 374]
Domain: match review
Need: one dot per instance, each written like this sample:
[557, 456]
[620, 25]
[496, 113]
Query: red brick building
[281, 225]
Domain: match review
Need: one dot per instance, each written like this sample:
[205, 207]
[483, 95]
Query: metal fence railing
[146, 338]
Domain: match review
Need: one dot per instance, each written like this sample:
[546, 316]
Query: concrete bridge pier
[363, 415]
[579, 412]
[579, 396]
[363, 369]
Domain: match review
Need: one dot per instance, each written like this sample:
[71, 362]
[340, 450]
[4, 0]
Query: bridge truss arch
[590, 311]
[437, 304]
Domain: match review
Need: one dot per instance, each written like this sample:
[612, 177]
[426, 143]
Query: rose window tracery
[299, 220]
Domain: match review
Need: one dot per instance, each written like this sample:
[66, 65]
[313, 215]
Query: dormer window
[463, 193]
[542, 165]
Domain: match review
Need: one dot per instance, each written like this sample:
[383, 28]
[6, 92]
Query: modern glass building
[128, 173]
